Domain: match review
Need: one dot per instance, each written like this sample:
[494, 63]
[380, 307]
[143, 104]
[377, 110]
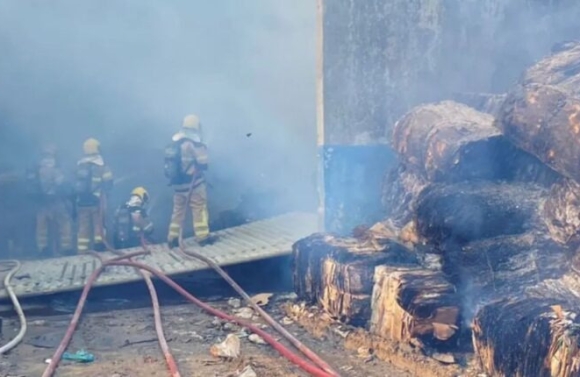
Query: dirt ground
[125, 345]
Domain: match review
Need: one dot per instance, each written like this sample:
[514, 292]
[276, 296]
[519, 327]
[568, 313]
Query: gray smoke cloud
[126, 72]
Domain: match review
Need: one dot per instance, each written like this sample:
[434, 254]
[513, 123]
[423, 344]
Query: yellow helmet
[91, 146]
[191, 122]
[141, 193]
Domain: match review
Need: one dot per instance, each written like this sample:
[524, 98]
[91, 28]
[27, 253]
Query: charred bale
[401, 188]
[446, 141]
[485, 102]
[561, 212]
[307, 257]
[528, 337]
[561, 69]
[471, 211]
[450, 142]
[544, 121]
[412, 303]
[542, 113]
[337, 274]
[503, 266]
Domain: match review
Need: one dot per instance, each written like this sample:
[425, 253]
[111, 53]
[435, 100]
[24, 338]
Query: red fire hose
[52, 365]
[169, 359]
[303, 364]
[271, 321]
[50, 369]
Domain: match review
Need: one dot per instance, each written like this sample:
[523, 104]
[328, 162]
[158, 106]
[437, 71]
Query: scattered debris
[243, 333]
[255, 338]
[229, 348]
[139, 339]
[235, 302]
[81, 356]
[262, 299]
[39, 322]
[445, 358]
[245, 313]
[298, 310]
[247, 372]
[191, 335]
[287, 321]
[228, 326]
[287, 297]
[364, 353]
[341, 333]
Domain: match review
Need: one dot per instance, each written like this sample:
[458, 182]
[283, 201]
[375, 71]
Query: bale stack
[338, 273]
[497, 201]
[541, 115]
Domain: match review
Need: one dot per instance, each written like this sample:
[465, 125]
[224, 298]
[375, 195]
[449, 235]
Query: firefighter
[53, 196]
[186, 161]
[132, 221]
[94, 180]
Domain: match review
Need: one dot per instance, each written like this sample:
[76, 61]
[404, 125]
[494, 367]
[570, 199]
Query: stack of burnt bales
[497, 201]
[338, 273]
[539, 333]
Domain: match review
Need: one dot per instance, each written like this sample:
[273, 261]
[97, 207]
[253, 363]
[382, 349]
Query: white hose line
[23, 327]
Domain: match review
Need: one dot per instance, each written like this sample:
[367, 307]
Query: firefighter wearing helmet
[53, 195]
[186, 161]
[132, 223]
[94, 180]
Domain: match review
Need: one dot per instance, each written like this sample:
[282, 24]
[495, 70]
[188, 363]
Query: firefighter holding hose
[186, 161]
[132, 221]
[94, 180]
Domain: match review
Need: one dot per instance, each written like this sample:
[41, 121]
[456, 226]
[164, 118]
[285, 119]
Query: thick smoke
[126, 72]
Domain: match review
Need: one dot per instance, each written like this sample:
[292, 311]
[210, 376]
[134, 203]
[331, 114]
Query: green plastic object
[80, 357]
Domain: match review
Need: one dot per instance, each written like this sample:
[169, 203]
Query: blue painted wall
[353, 176]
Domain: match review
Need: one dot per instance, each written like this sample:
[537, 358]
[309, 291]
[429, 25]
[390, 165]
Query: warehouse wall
[381, 57]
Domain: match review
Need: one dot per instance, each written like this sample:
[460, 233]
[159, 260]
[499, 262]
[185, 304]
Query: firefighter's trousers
[57, 214]
[90, 227]
[198, 204]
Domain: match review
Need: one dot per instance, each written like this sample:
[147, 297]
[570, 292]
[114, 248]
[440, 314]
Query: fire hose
[23, 326]
[118, 261]
[321, 369]
[169, 359]
[271, 321]
[54, 361]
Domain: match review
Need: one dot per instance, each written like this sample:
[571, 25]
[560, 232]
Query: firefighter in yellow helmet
[132, 221]
[94, 180]
[53, 195]
[186, 161]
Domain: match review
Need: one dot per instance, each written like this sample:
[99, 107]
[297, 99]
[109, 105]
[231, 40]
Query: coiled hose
[23, 326]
